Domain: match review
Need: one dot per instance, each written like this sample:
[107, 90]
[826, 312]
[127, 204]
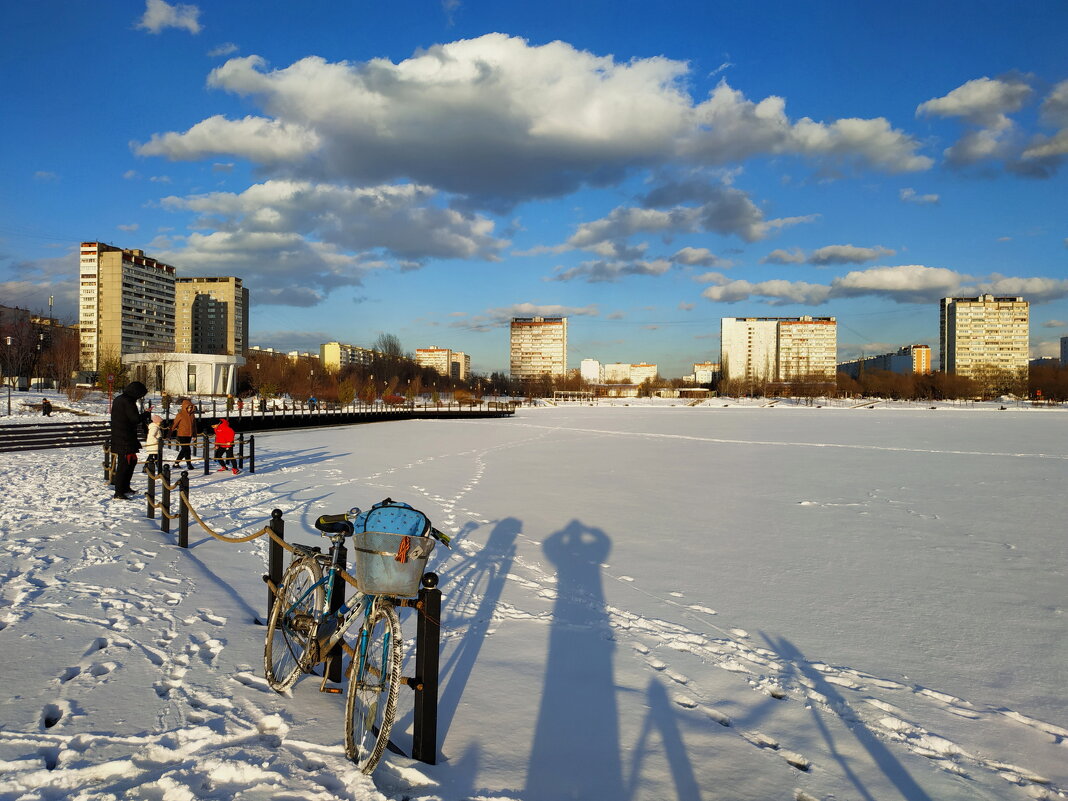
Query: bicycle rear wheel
[373, 681]
[291, 625]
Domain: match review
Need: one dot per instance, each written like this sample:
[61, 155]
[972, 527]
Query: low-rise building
[909, 359]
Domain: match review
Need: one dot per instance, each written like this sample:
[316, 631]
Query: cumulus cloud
[602, 271]
[909, 195]
[984, 101]
[1055, 324]
[1036, 290]
[725, 210]
[404, 221]
[733, 128]
[847, 254]
[160, 15]
[499, 120]
[783, 256]
[501, 317]
[301, 240]
[904, 284]
[698, 257]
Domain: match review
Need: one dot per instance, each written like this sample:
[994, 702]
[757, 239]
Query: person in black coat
[125, 419]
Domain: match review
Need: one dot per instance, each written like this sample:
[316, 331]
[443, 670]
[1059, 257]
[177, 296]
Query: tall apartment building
[460, 366]
[1064, 351]
[778, 348]
[211, 315]
[125, 303]
[984, 335]
[538, 347]
[335, 355]
[444, 361]
[909, 359]
[437, 359]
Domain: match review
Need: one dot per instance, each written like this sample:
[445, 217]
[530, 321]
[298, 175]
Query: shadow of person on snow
[576, 749]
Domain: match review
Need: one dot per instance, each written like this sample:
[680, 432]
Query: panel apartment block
[538, 347]
[335, 355]
[778, 348]
[984, 334]
[125, 303]
[211, 315]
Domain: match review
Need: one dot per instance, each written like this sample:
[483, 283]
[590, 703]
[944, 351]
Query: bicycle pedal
[332, 690]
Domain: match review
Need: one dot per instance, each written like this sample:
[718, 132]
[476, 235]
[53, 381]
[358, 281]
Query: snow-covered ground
[647, 601]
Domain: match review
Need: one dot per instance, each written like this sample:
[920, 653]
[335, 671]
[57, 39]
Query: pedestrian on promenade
[224, 446]
[184, 428]
[46, 407]
[125, 419]
[152, 443]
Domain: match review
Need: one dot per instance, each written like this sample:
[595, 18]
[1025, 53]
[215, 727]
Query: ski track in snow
[204, 746]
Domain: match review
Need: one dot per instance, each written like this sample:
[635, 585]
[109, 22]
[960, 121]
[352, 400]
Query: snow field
[641, 603]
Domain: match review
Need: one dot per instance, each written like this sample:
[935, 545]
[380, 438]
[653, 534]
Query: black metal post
[274, 557]
[207, 461]
[150, 496]
[427, 646]
[165, 517]
[252, 453]
[337, 598]
[183, 510]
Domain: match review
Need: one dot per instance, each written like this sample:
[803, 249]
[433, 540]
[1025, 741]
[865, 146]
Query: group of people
[127, 417]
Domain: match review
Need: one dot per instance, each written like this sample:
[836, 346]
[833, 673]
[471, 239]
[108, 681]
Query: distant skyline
[431, 169]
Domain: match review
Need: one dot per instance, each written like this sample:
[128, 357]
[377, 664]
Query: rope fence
[428, 604]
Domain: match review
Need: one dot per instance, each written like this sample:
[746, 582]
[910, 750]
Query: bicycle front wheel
[291, 626]
[373, 681]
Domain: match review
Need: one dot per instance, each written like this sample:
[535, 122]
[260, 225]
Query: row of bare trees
[37, 351]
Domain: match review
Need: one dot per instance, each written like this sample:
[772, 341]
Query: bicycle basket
[379, 569]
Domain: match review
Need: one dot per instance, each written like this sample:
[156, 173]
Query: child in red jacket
[224, 446]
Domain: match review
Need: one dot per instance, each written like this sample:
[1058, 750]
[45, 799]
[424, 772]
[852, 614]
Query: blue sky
[430, 169]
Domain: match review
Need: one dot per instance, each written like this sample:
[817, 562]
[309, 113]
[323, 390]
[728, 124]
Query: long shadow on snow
[663, 718]
[877, 750]
[576, 749]
[483, 573]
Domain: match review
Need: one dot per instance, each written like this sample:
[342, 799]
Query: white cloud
[725, 210]
[983, 101]
[604, 271]
[131, 175]
[698, 257]
[404, 221]
[160, 15]
[903, 284]
[1055, 324]
[683, 306]
[266, 141]
[1036, 290]
[782, 256]
[225, 49]
[45, 176]
[909, 195]
[301, 240]
[128, 228]
[732, 128]
[497, 119]
[847, 254]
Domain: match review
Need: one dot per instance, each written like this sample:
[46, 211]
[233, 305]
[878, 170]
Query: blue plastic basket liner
[379, 570]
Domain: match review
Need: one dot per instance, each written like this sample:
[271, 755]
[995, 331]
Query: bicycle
[302, 630]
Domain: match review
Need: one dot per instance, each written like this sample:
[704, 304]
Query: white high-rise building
[778, 348]
[591, 370]
[538, 347]
[125, 304]
[985, 335]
